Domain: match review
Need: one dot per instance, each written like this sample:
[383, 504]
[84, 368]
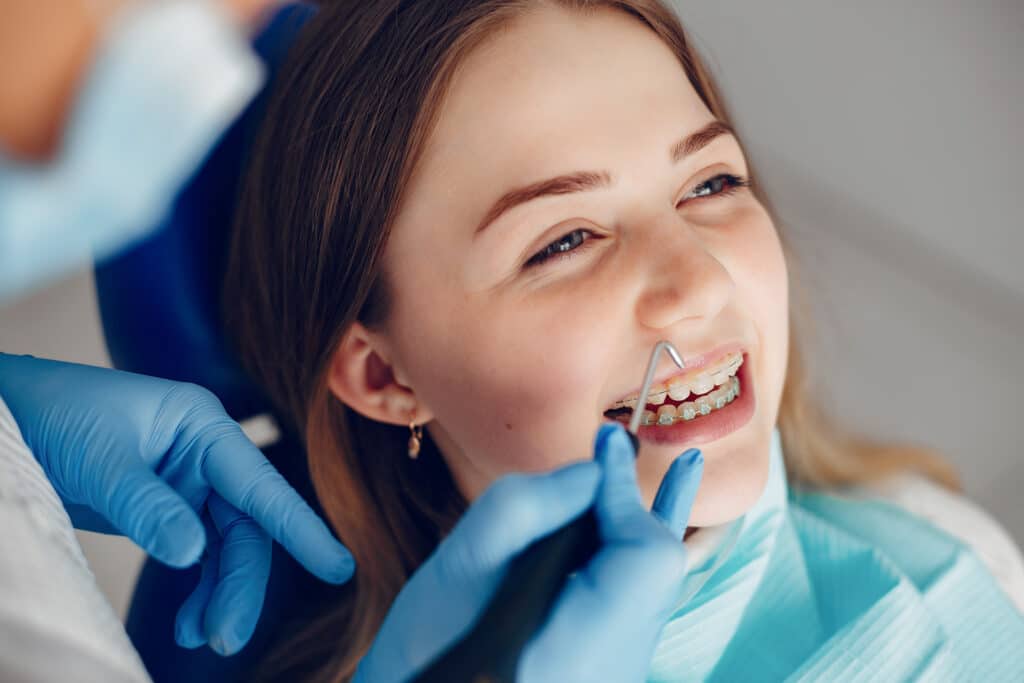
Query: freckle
[508, 425]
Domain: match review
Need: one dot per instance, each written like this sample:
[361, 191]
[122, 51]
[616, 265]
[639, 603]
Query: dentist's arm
[162, 463]
[46, 47]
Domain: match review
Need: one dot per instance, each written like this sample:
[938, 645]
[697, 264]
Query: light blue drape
[814, 587]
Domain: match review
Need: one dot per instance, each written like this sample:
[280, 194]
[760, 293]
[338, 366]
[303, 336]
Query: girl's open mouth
[714, 405]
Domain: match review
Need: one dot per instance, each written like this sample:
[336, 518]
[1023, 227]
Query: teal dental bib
[814, 587]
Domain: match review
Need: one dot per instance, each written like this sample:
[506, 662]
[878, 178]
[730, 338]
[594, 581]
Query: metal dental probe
[490, 650]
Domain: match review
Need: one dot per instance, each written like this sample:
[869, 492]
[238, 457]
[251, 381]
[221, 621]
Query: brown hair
[351, 111]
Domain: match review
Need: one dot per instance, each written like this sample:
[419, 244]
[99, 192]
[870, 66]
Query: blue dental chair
[159, 304]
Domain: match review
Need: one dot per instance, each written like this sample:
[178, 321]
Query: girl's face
[514, 359]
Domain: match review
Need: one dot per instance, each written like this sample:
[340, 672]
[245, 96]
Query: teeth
[691, 410]
[679, 390]
[656, 398]
[730, 390]
[702, 385]
[704, 405]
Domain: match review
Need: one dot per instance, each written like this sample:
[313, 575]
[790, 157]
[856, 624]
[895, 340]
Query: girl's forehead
[556, 83]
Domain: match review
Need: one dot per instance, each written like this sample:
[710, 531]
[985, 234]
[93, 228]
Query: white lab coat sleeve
[55, 625]
[961, 518]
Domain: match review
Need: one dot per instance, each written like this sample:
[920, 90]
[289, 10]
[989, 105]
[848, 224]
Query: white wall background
[888, 135]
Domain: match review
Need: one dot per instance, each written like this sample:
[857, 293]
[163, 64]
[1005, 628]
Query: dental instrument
[491, 649]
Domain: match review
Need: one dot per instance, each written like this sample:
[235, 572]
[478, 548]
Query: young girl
[468, 223]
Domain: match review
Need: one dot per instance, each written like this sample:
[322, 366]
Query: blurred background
[888, 137]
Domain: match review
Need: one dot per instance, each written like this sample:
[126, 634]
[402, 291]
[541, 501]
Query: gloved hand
[157, 461]
[613, 608]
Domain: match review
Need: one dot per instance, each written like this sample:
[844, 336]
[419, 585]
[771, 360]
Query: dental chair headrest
[160, 300]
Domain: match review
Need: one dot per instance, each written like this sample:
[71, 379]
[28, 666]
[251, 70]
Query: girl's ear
[361, 376]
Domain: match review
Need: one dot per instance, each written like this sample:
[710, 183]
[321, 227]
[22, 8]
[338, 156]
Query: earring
[416, 434]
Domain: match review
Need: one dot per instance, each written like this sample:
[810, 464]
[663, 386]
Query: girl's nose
[684, 278]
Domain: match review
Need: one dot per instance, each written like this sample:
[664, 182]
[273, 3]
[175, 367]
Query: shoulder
[959, 517]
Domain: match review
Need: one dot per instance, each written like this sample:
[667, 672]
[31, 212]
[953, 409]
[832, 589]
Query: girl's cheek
[758, 263]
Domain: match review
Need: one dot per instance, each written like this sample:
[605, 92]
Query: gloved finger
[640, 560]
[628, 530]
[515, 511]
[678, 490]
[620, 600]
[619, 507]
[188, 625]
[151, 513]
[243, 477]
[451, 588]
[244, 568]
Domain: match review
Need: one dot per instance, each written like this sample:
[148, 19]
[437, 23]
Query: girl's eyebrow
[580, 181]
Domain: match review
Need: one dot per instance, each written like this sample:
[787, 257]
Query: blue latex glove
[613, 609]
[158, 461]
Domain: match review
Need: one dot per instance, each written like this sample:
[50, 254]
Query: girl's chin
[730, 486]
[734, 477]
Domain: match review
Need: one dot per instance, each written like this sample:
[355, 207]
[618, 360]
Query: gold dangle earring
[416, 435]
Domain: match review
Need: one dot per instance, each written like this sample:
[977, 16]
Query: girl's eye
[563, 247]
[567, 246]
[714, 186]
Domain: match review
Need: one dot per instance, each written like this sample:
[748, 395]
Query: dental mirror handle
[490, 651]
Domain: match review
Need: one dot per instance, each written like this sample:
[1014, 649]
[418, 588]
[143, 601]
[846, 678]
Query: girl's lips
[713, 426]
